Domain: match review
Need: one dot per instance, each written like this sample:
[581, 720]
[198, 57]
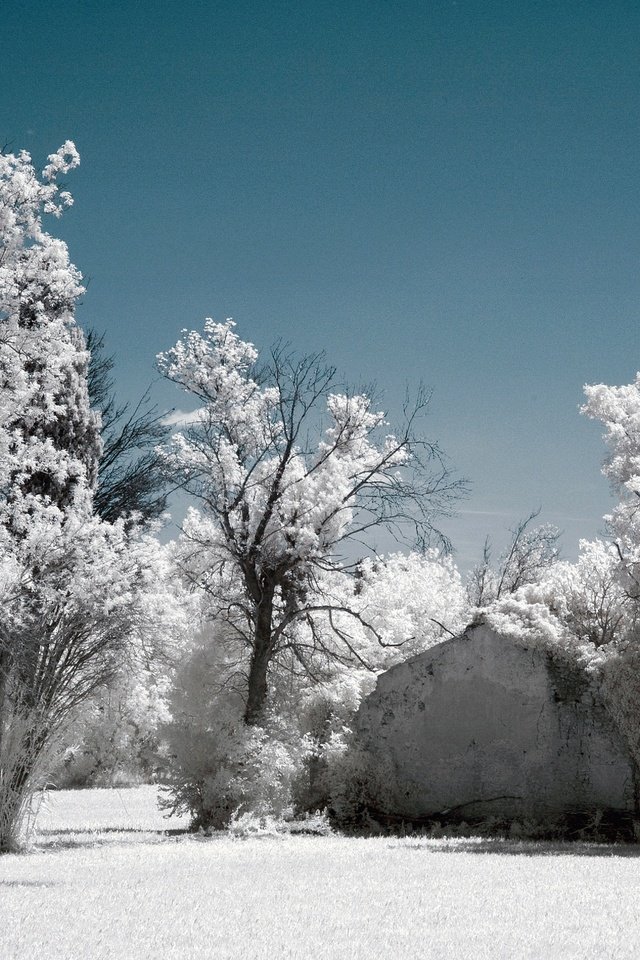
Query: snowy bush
[114, 739]
[299, 759]
[218, 766]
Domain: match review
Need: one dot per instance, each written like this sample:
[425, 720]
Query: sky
[435, 191]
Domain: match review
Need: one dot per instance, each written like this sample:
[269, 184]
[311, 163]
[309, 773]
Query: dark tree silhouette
[131, 478]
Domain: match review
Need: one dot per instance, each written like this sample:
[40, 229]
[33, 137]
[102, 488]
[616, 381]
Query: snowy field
[102, 880]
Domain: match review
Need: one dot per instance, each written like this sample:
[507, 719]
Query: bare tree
[57, 647]
[131, 478]
[531, 552]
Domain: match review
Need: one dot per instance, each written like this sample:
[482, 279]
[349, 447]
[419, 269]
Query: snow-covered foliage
[290, 640]
[49, 439]
[413, 601]
[74, 591]
[590, 610]
[218, 766]
[618, 408]
[299, 759]
[248, 459]
[114, 738]
[580, 612]
[588, 596]
[577, 609]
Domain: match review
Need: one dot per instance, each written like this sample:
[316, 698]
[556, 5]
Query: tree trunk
[257, 690]
[4, 674]
[19, 763]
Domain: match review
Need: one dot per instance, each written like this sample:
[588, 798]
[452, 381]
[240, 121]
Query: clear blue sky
[445, 191]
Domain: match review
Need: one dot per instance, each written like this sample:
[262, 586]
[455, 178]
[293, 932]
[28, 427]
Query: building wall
[480, 726]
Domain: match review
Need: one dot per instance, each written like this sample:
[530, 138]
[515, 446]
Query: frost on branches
[288, 470]
[73, 590]
[298, 759]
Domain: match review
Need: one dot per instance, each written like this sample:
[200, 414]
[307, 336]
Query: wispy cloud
[485, 513]
[181, 418]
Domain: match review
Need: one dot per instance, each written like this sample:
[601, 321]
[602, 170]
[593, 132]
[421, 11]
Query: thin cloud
[182, 418]
[485, 513]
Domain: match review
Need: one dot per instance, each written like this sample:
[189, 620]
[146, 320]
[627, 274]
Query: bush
[113, 739]
[218, 767]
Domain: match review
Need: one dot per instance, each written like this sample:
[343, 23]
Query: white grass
[81, 817]
[304, 897]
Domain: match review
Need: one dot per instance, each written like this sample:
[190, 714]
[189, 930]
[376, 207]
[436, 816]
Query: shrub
[114, 738]
[218, 767]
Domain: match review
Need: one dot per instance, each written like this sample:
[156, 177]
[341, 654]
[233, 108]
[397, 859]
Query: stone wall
[480, 726]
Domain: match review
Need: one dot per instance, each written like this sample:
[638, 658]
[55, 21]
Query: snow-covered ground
[101, 881]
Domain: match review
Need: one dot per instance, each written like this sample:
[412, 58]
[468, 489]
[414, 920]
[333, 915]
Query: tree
[131, 479]
[281, 497]
[618, 623]
[589, 598]
[294, 762]
[73, 589]
[619, 409]
[50, 439]
[527, 559]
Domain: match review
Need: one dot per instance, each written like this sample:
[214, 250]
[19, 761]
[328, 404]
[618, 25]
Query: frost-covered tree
[296, 761]
[73, 590]
[618, 408]
[49, 440]
[288, 470]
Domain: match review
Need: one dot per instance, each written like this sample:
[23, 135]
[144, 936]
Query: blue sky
[426, 190]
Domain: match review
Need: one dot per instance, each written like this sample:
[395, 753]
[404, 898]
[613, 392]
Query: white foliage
[113, 738]
[288, 469]
[618, 408]
[75, 593]
[299, 759]
[413, 600]
[242, 451]
[576, 607]
[49, 440]
[219, 767]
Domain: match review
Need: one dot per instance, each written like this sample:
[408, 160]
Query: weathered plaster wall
[491, 728]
